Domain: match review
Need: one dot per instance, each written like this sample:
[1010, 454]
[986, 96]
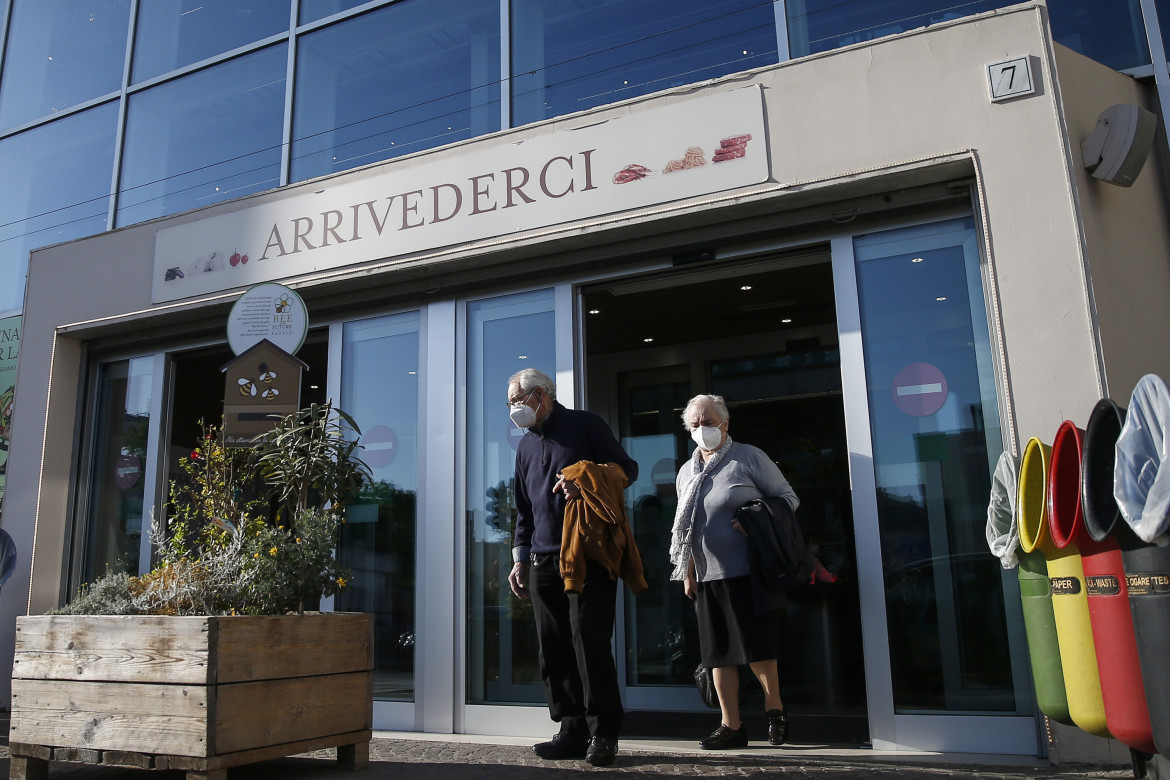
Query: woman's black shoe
[777, 726]
[724, 737]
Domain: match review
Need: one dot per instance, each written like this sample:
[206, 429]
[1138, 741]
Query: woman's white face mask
[707, 436]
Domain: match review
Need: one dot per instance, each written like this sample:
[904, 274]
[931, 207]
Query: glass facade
[176, 33]
[374, 80]
[404, 78]
[203, 138]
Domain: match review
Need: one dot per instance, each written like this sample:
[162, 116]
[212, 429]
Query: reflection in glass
[661, 631]
[379, 389]
[312, 10]
[504, 335]
[411, 76]
[569, 56]
[1110, 33]
[116, 519]
[60, 55]
[203, 138]
[936, 436]
[172, 34]
[56, 188]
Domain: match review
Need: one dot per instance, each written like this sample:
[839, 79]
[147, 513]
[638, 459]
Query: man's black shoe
[561, 747]
[724, 737]
[602, 751]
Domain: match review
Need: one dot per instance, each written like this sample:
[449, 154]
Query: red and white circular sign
[381, 445]
[919, 389]
[127, 470]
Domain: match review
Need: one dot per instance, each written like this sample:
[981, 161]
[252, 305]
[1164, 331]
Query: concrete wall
[1127, 235]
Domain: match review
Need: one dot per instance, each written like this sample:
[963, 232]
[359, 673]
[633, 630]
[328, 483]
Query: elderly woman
[709, 551]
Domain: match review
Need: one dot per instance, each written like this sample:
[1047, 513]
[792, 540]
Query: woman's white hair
[715, 400]
[528, 378]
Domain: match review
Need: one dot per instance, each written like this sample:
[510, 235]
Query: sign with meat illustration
[410, 211]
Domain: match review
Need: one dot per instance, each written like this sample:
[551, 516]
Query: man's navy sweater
[565, 437]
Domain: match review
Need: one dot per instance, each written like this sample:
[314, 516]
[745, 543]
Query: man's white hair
[528, 378]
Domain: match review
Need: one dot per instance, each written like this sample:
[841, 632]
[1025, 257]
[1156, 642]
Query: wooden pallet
[31, 762]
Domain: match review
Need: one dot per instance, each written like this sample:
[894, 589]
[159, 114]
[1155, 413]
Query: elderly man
[574, 629]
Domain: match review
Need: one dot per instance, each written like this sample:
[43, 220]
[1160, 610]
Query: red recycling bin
[1118, 665]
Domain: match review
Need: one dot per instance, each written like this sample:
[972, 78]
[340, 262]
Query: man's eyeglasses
[522, 399]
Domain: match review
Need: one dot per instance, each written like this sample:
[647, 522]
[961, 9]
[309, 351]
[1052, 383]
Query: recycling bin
[1141, 492]
[1040, 624]
[1070, 609]
[1111, 623]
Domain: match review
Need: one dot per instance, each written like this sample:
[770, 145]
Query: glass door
[380, 390]
[504, 335]
[939, 612]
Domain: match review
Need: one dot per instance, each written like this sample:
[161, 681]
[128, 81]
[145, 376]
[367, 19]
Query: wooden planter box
[198, 694]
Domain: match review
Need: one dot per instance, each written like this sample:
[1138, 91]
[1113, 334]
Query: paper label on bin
[1065, 586]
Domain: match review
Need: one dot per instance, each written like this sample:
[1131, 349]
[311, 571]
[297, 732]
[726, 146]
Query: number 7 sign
[1010, 78]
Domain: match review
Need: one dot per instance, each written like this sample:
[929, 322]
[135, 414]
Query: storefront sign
[9, 354]
[691, 148]
[268, 311]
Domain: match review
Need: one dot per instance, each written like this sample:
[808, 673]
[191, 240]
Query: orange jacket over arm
[596, 527]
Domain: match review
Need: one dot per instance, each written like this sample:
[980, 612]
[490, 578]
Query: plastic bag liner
[1003, 534]
[1141, 475]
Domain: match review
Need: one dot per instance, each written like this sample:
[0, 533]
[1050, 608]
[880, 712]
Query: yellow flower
[298, 540]
[272, 551]
[341, 582]
[255, 555]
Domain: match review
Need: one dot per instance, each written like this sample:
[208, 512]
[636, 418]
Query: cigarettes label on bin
[1147, 584]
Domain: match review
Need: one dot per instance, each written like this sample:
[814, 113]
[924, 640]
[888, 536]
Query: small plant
[219, 553]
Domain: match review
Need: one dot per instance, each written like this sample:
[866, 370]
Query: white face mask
[707, 436]
[522, 414]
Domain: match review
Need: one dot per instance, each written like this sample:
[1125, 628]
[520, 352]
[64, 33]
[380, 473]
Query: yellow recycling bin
[1070, 607]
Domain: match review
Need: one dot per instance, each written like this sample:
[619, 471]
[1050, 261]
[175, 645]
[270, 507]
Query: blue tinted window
[61, 54]
[411, 76]
[56, 188]
[570, 56]
[1110, 33]
[171, 34]
[206, 137]
[312, 10]
[821, 25]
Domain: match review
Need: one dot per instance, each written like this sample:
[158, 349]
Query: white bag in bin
[1003, 531]
[1141, 475]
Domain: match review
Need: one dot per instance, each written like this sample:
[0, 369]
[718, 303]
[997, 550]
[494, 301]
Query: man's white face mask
[522, 414]
[707, 436]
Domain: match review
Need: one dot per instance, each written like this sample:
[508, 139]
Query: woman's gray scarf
[684, 515]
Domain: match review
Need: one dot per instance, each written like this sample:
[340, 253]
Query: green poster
[9, 353]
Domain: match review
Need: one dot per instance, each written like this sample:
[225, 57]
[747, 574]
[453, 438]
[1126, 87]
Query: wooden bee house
[261, 385]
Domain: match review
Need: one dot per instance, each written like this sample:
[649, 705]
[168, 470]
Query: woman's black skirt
[730, 631]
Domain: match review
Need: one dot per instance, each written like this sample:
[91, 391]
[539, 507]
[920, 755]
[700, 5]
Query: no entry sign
[919, 389]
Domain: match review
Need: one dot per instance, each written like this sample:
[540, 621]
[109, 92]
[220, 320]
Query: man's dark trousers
[576, 662]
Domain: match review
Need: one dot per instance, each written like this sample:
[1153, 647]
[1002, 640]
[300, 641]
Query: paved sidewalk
[400, 756]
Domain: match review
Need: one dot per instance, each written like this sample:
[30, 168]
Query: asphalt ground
[403, 756]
